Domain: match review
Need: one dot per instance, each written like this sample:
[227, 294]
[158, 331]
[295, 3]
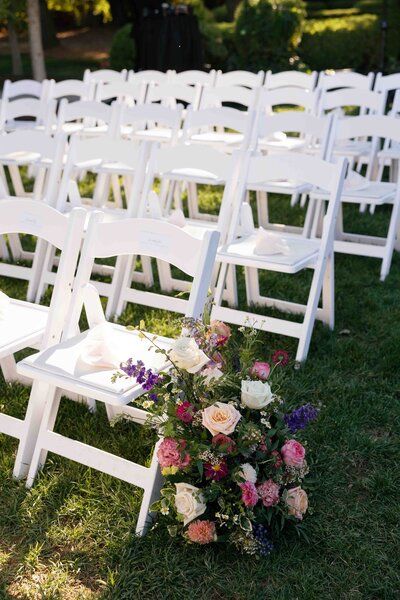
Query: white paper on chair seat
[267, 243]
[177, 218]
[4, 305]
[99, 351]
[354, 181]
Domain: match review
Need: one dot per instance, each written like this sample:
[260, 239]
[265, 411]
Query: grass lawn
[72, 535]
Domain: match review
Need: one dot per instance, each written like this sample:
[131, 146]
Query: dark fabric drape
[165, 40]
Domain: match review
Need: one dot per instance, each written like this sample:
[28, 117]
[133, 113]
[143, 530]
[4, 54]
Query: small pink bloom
[278, 459]
[261, 370]
[184, 412]
[249, 493]
[268, 491]
[217, 471]
[293, 453]
[201, 532]
[262, 446]
[222, 330]
[223, 443]
[171, 453]
[280, 357]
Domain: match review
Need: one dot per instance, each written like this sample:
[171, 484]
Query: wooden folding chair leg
[37, 402]
[9, 370]
[47, 424]
[151, 494]
[391, 238]
[328, 293]
[262, 208]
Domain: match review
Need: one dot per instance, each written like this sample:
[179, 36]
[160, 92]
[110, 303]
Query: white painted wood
[243, 78]
[59, 367]
[298, 79]
[301, 252]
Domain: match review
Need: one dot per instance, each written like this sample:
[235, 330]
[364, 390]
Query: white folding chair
[306, 81]
[288, 99]
[106, 158]
[125, 92]
[192, 77]
[104, 75]
[331, 80]
[152, 122]
[27, 113]
[25, 324]
[136, 236]
[24, 88]
[296, 132]
[148, 76]
[370, 191]
[86, 117]
[243, 78]
[43, 155]
[222, 127]
[364, 101]
[71, 89]
[170, 94]
[191, 164]
[386, 84]
[230, 95]
[284, 254]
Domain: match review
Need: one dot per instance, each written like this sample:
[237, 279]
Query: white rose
[248, 473]
[189, 502]
[210, 373]
[256, 394]
[220, 418]
[186, 354]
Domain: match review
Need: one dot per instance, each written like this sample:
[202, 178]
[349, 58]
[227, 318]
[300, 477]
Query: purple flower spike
[301, 417]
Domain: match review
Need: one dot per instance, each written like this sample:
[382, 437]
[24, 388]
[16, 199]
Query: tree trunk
[35, 40]
[16, 60]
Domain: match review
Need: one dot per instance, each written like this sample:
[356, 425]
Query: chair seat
[352, 148]
[377, 192]
[23, 326]
[19, 158]
[111, 168]
[302, 253]
[288, 186]
[289, 144]
[197, 175]
[214, 137]
[62, 366]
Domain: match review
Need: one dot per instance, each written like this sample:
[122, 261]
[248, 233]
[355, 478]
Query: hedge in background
[342, 43]
[268, 33]
[123, 49]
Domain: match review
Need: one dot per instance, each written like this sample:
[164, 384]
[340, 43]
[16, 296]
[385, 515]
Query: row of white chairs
[67, 363]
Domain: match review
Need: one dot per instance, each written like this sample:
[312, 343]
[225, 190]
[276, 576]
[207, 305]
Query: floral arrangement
[232, 463]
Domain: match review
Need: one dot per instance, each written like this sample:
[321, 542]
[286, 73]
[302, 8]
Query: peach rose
[220, 418]
[189, 502]
[297, 502]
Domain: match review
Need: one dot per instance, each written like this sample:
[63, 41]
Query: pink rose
[261, 370]
[293, 453]
[297, 502]
[170, 453]
[249, 493]
[268, 491]
[184, 412]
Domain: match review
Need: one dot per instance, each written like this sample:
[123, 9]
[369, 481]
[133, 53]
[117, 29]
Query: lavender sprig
[301, 417]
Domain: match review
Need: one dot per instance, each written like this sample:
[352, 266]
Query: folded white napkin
[177, 218]
[98, 349]
[4, 305]
[354, 181]
[269, 243]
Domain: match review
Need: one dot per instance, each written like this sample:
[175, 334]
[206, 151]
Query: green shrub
[268, 33]
[123, 49]
[341, 43]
